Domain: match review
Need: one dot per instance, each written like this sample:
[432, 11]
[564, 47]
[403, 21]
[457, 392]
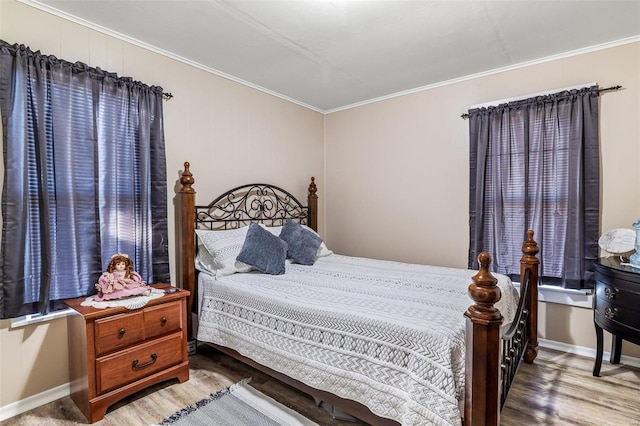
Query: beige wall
[397, 170]
[231, 135]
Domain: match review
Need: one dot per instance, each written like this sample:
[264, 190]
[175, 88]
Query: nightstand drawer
[113, 371]
[616, 317]
[619, 282]
[164, 319]
[617, 295]
[118, 332]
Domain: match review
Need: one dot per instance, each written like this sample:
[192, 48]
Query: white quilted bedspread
[386, 334]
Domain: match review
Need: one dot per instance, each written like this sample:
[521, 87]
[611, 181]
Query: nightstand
[115, 352]
[617, 306]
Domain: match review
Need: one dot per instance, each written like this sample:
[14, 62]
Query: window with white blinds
[535, 165]
[85, 178]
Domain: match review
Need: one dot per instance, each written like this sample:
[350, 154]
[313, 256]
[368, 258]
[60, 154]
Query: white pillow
[322, 250]
[217, 251]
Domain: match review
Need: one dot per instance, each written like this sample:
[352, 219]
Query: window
[85, 178]
[534, 164]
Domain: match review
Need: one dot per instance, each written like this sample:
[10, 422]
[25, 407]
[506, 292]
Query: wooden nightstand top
[90, 312]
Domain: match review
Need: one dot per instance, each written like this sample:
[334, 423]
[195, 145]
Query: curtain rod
[533, 95]
[606, 89]
[167, 96]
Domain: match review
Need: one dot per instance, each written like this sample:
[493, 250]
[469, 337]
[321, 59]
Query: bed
[386, 342]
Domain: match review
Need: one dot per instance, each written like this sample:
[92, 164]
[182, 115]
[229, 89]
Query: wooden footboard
[491, 359]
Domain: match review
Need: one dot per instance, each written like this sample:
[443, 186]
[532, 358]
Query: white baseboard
[34, 401]
[588, 352]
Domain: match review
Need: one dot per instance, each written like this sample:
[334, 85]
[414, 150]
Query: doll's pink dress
[114, 285]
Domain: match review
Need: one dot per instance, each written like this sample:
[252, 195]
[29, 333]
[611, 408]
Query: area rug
[240, 405]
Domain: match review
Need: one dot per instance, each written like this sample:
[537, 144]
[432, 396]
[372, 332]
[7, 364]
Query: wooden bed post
[312, 202]
[530, 262]
[482, 370]
[187, 241]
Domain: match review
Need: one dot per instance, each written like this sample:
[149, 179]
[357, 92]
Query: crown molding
[569, 54]
[36, 4]
[154, 49]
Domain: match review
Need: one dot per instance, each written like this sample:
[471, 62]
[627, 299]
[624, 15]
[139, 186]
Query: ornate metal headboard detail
[256, 202]
[238, 207]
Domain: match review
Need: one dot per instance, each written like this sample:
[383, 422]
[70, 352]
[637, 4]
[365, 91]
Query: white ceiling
[329, 54]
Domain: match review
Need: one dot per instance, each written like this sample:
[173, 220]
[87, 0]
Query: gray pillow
[302, 243]
[263, 250]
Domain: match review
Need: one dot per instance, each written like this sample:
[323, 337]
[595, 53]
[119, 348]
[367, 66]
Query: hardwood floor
[558, 389]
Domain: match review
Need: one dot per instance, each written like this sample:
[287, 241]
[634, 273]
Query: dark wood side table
[617, 306]
[115, 352]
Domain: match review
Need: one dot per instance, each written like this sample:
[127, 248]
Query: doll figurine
[120, 280]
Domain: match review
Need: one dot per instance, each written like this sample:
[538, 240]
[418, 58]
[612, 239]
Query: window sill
[563, 296]
[37, 318]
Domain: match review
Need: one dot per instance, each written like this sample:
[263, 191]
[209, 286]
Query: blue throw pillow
[302, 244]
[263, 250]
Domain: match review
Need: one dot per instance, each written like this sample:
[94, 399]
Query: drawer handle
[122, 331]
[135, 365]
[163, 320]
[610, 313]
[610, 293]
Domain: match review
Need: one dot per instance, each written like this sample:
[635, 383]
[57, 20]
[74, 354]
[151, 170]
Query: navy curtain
[534, 164]
[84, 178]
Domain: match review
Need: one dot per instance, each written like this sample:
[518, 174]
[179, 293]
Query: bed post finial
[482, 369]
[484, 290]
[530, 247]
[312, 187]
[531, 262]
[312, 202]
[186, 179]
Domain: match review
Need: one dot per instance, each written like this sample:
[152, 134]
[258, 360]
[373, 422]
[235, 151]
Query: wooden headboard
[235, 208]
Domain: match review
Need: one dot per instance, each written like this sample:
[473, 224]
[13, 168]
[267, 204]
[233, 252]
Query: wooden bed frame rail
[492, 359]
